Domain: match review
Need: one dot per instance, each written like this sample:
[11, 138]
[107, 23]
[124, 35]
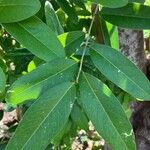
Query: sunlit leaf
[121, 71]
[110, 34]
[40, 79]
[71, 41]
[44, 119]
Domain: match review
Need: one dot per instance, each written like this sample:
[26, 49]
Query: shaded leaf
[106, 113]
[111, 4]
[60, 136]
[3, 146]
[71, 41]
[3, 64]
[138, 1]
[78, 116]
[44, 119]
[79, 3]
[2, 81]
[36, 37]
[17, 10]
[133, 15]
[52, 19]
[121, 71]
[69, 10]
[40, 79]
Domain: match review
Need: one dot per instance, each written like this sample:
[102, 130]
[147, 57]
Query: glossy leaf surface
[36, 37]
[121, 71]
[106, 113]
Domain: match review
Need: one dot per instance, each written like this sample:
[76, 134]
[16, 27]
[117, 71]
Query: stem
[86, 44]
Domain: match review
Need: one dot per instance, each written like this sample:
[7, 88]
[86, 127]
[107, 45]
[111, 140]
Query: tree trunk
[132, 46]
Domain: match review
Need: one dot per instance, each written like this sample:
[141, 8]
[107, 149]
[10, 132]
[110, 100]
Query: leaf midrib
[44, 79]
[104, 110]
[75, 39]
[121, 71]
[37, 38]
[40, 124]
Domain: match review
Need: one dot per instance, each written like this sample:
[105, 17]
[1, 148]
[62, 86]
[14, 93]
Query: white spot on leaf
[127, 135]
[10, 91]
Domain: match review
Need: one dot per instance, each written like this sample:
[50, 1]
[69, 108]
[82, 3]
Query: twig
[86, 44]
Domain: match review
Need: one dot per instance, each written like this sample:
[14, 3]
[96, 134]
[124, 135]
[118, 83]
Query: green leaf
[110, 34]
[69, 10]
[138, 1]
[36, 37]
[3, 146]
[2, 81]
[106, 113]
[79, 3]
[134, 16]
[31, 66]
[3, 65]
[121, 71]
[60, 136]
[44, 119]
[78, 116]
[110, 3]
[40, 79]
[71, 41]
[52, 19]
[17, 10]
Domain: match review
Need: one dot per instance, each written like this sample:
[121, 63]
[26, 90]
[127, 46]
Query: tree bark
[132, 46]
